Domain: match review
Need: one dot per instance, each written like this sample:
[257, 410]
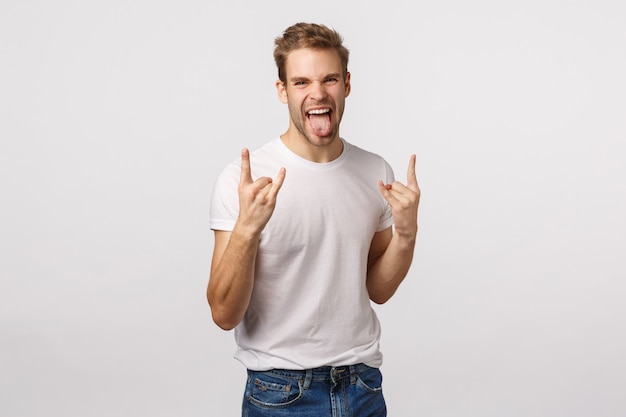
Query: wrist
[406, 236]
[247, 232]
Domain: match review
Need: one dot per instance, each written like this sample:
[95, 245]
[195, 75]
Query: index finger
[246, 176]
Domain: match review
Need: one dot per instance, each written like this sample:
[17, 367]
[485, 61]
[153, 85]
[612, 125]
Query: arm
[234, 254]
[391, 254]
[231, 280]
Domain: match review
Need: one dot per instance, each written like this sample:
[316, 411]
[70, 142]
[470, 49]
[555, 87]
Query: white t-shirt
[310, 305]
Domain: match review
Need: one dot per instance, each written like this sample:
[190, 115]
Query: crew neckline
[315, 165]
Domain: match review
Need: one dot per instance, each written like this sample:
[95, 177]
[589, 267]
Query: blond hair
[308, 35]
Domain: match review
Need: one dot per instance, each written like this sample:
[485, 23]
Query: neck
[319, 151]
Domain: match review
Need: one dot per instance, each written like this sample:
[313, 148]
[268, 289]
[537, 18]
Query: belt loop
[353, 374]
[307, 378]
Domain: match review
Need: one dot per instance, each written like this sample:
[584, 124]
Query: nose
[318, 91]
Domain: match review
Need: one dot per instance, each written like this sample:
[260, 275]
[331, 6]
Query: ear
[282, 91]
[348, 87]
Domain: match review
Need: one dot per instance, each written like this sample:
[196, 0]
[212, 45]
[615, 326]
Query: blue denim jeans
[342, 391]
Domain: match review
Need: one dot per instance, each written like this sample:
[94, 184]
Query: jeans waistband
[322, 373]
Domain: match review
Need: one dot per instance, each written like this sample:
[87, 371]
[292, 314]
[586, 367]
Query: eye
[332, 80]
[299, 83]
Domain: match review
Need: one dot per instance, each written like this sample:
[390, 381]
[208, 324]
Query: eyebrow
[333, 74]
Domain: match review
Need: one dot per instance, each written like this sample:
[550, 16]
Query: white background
[116, 117]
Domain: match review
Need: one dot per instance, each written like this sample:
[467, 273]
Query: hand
[257, 199]
[404, 201]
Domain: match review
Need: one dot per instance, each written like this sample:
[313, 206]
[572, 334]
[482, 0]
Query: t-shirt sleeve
[224, 208]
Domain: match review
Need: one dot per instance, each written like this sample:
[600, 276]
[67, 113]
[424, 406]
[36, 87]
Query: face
[315, 92]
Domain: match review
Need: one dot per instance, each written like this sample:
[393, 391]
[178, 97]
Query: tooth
[319, 111]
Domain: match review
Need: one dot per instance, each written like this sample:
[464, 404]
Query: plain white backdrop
[116, 117]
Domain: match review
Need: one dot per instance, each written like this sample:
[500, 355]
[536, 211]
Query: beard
[301, 123]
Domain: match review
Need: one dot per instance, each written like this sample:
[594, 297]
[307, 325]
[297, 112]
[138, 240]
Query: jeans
[342, 391]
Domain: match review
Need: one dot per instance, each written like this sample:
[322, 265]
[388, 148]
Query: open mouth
[319, 121]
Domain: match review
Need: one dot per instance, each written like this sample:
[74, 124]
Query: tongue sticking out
[320, 124]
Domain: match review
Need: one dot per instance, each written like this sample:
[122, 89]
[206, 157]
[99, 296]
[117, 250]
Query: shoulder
[365, 158]
[354, 151]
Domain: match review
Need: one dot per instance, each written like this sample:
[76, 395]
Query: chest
[326, 206]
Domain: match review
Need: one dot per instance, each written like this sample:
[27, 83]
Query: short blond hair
[308, 35]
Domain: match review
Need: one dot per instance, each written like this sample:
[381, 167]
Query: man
[304, 241]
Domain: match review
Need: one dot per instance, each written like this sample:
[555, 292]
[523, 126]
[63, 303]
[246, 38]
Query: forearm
[389, 270]
[232, 279]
